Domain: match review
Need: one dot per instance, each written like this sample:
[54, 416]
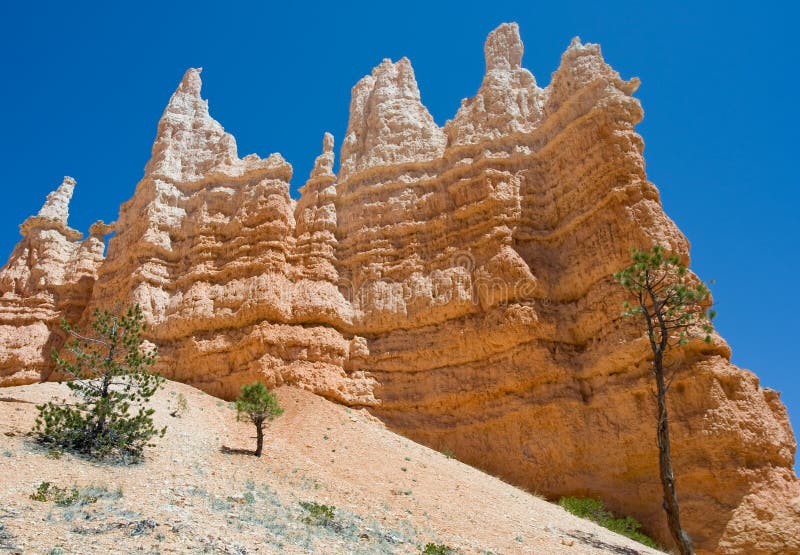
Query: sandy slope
[391, 495]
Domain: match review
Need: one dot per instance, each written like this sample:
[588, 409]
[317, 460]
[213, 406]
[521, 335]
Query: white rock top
[54, 213]
[323, 165]
[388, 122]
[191, 146]
[508, 101]
[56, 207]
[503, 48]
[190, 143]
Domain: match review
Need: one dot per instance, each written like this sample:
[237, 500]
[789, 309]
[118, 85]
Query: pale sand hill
[391, 494]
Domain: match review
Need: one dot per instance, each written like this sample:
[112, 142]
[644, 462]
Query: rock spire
[508, 101]
[388, 122]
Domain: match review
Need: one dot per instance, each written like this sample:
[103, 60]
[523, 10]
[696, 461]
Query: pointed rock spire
[323, 165]
[54, 212]
[315, 217]
[190, 85]
[503, 48]
[581, 65]
[190, 143]
[388, 122]
[508, 101]
[56, 207]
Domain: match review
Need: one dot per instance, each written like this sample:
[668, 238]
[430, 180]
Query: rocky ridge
[456, 280]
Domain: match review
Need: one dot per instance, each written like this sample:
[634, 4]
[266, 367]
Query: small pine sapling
[256, 404]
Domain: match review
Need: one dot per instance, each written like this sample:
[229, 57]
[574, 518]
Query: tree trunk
[259, 438]
[102, 407]
[680, 537]
[100, 426]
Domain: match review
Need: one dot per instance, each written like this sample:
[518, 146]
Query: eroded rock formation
[457, 280]
[49, 276]
[234, 285]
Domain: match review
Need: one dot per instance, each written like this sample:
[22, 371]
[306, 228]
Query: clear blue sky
[84, 86]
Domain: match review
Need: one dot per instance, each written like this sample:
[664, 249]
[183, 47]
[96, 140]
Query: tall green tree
[110, 374]
[672, 305]
[256, 404]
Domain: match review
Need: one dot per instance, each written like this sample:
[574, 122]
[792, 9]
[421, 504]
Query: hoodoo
[457, 281]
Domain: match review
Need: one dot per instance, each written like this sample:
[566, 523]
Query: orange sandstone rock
[49, 276]
[457, 280]
[237, 282]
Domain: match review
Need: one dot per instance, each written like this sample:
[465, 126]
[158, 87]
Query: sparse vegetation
[321, 515]
[672, 305]
[437, 549]
[594, 510]
[62, 497]
[111, 376]
[258, 405]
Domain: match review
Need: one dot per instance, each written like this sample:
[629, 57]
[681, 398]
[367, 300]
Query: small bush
[591, 509]
[319, 514]
[437, 549]
[594, 510]
[61, 496]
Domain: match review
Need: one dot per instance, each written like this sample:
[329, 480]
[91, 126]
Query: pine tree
[672, 306]
[111, 377]
[258, 405]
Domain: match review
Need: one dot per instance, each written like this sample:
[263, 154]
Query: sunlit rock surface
[457, 280]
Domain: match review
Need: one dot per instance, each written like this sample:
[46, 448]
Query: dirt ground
[200, 491]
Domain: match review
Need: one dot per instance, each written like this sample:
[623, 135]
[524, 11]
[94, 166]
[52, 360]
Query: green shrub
[591, 509]
[61, 496]
[317, 513]
[594, 510]
[111, 378]
[437, 549]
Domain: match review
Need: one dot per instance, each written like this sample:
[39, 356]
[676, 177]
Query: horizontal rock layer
[457, 280]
